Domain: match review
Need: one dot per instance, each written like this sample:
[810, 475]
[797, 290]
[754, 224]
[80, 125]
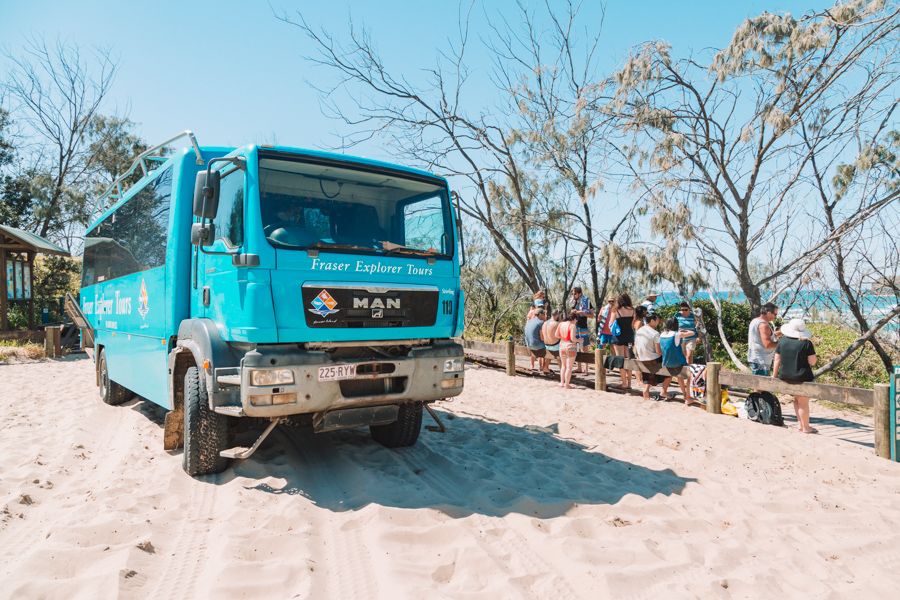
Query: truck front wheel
[402, 432]
[110, 391]
[205, 431]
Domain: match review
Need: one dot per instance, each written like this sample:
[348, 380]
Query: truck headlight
[453, 364]
[271, 376]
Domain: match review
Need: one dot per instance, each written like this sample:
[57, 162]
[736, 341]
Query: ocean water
[811, 305]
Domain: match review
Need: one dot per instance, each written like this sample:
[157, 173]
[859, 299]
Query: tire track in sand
[499, 549]
[348, 563]
[187, 559]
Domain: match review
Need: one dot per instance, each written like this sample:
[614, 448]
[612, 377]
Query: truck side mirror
[203, 234]
[206, 194]
[459, 228]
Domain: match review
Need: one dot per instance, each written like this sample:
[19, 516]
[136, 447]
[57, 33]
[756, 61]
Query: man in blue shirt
[582, 307]
[687, 322]
[534, 339]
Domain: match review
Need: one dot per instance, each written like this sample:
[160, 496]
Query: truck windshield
[328, 206]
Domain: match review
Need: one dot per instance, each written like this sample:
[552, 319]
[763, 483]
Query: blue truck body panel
[136, 316]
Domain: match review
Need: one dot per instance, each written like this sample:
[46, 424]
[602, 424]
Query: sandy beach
[531, 493]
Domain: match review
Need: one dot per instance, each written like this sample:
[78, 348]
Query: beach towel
[615, 362]
[698, 381]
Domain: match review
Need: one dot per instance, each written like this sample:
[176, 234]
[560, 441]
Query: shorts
[538, 352]
[553, 349]
[647, 370]
[568, 348]
[689, 344]
[759, 369]
[583, 336]
[674, 371]
[605, 339]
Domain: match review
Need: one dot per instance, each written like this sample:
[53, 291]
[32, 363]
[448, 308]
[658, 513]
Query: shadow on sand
[477, 466]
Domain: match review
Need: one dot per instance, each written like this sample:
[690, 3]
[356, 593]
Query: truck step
[240, 452]
[231, 411]
[236, 452]
[234, 380]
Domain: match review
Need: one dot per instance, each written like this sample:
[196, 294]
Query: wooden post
[600, 368]
[882, 413]
[52, 339]
[30, 264]
[713, 389]
[3, 319]
[510, 357]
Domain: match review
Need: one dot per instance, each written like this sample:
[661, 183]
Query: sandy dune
[532, 493]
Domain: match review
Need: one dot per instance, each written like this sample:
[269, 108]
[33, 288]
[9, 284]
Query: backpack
[764, 407]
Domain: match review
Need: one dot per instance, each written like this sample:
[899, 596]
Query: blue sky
[235, 75]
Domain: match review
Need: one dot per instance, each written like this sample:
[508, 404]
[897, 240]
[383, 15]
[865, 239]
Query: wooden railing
[716, 378]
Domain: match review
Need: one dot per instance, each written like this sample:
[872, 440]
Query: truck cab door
[217, 277]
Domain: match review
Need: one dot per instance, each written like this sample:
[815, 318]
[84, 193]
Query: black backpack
[764, 407]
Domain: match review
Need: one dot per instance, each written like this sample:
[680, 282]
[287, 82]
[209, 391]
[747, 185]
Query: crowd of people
[661, 350]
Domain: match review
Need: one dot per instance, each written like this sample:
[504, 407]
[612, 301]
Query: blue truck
[276, 283]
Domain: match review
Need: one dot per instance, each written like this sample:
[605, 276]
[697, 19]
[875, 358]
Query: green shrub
[18, 315]
[863, 369]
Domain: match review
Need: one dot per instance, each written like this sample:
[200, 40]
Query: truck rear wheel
[402, 432]
[110, 391]
[205, 431]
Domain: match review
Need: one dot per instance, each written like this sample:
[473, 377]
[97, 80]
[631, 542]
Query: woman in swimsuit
[624, 316]
[568, 348]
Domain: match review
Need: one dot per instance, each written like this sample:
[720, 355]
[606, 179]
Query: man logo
[376, 302]
[377, 313]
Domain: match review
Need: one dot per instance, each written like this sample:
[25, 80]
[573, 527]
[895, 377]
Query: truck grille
[347, 307]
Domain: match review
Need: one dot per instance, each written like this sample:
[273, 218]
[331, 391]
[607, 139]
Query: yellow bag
[727, 407]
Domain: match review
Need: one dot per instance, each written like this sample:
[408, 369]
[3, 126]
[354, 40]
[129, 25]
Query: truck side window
[423, 224]
[133, 238]
[229, 220]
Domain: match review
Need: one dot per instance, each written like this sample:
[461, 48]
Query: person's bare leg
[665, 387]
[570, 364]
[646, 387]
[682, 383]
[562, 368]
[801, 407]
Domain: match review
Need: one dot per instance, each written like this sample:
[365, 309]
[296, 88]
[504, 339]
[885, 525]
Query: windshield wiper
[328, 246]
[392, 248]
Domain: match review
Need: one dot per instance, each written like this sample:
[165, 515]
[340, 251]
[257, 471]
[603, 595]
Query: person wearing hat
[795, 357]
[650, 302]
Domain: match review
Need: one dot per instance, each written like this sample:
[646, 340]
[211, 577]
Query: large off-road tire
[110, 391]
[402, 432]
[205, 431]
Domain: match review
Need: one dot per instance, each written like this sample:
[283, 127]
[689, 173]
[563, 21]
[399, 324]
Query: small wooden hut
[17, 252]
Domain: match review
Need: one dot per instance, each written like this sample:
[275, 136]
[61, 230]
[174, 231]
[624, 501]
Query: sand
[531, 493]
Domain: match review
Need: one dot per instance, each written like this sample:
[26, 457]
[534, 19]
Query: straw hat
[796, 328]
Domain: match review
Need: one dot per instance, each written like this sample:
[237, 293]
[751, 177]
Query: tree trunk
[592, 257]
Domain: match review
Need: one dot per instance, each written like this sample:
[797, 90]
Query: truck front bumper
[427, 373]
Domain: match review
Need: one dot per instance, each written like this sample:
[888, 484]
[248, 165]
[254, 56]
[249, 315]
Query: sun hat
[796, 328]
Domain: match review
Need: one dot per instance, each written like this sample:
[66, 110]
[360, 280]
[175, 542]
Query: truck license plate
[337, 372]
